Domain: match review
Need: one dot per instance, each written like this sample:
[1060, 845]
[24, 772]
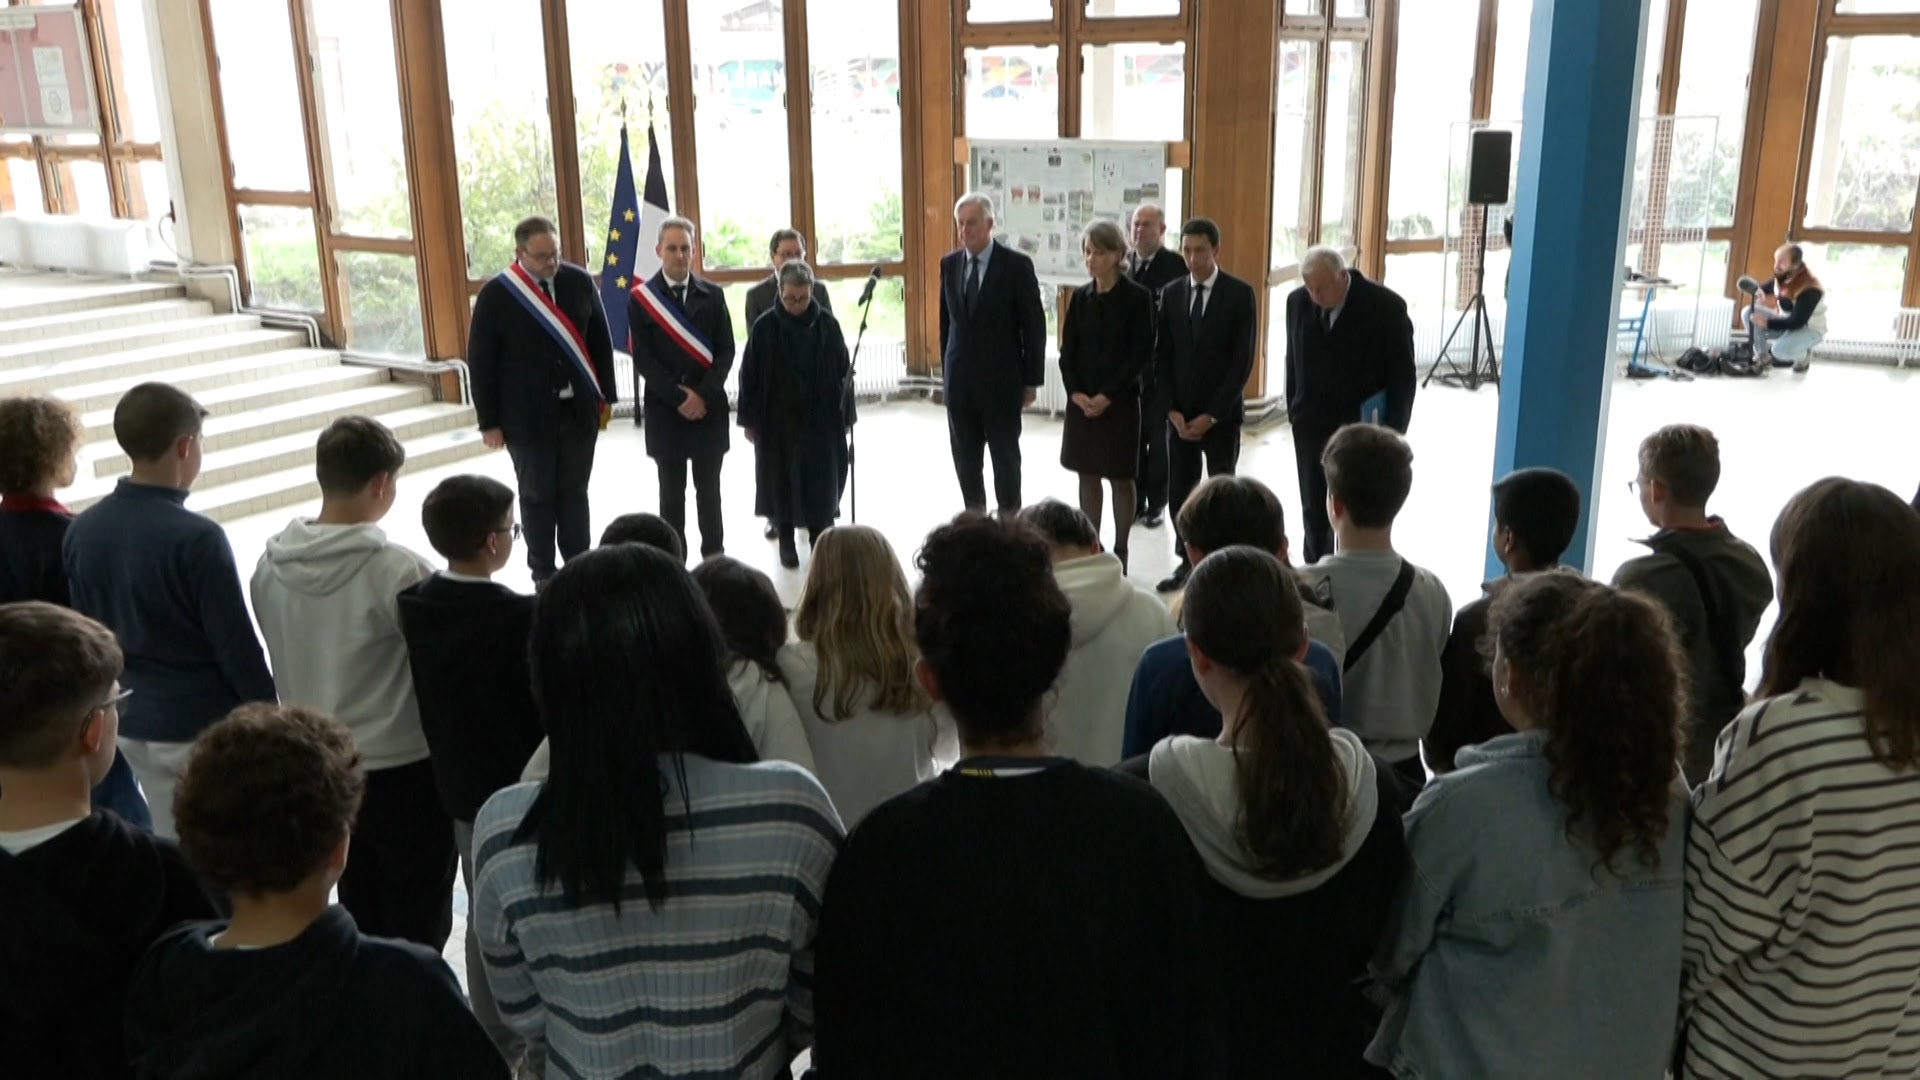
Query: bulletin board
[1045, 193]
[46, 73]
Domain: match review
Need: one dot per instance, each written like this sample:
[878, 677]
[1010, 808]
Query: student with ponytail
[1295, 822]
[1540, 926]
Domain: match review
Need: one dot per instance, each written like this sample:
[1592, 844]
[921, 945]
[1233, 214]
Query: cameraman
[1788, 316]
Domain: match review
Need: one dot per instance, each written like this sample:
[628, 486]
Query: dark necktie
[680, 294]
[546, 287]
[1199, 307]
[1326, 320]
[973, 283]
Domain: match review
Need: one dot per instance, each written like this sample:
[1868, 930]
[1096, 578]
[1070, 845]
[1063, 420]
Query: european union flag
[628, 262]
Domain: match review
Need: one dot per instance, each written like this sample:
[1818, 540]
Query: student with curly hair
[289, 987]
[1022, 915]
[850, 671]
[1804, 860]
[1539, 925]
[39, 454]
[1296, 822]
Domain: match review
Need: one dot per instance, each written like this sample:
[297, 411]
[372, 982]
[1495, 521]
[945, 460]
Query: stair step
[41, 327]
[304, 418]
[30, 293]
[200, 378]
[252, 395]
[243, 337]
[287, 487]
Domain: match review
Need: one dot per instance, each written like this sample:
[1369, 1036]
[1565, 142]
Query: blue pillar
[1576, 158]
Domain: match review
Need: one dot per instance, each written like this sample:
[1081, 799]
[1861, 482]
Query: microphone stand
[846, 393]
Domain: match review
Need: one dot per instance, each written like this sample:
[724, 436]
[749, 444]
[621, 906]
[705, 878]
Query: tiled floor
[1776, 435]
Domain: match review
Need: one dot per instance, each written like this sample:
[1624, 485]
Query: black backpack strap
[1390, 606]
[1725, 653]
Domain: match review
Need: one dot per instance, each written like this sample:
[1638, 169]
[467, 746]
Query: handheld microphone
[1748, 285]
[866, 294]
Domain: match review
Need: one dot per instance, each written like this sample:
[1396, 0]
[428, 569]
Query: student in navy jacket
[993, 353]
[162, 578]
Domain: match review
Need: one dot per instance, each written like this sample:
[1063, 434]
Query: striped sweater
[717, 983]
[1803, 899]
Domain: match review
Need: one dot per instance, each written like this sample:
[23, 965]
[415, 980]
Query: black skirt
[1107, 446]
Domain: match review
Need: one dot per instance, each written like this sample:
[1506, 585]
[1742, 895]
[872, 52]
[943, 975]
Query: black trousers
[399, 877]
[1316, 530]
[552, 470]
[1220, 449]
[974, 431]
[706, 493]
[1152, 472]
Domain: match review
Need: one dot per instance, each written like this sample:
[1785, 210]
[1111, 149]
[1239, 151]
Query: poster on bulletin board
[1045, 193]
[46, 73]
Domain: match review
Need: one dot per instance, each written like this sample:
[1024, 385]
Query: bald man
[1789, 316]
[1152, 264]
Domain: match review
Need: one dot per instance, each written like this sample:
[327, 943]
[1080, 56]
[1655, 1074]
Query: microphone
[866, 294]
[1748, 285]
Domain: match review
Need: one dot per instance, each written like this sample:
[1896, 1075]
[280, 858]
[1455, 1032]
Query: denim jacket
[1508, 953]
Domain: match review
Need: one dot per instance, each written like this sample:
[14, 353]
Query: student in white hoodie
[754, 623]
[873, 731]
[1114, 621]
[1295, 822]
[326, 594]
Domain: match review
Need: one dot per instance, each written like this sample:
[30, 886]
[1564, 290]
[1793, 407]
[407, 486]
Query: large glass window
[1515, 26]
[23, 175]
[1433, 91]
[130, 69]
[260, 95]
[1716, 59]
[1293, 149]
[1013, 92]
[1130, 9]
[502, 133]
[359, 100]
[619, 50]
[1865, 166]
[283, 257]
[381, 295]
[1137, 92]
[740, 127]
[989, 11]
[1863, 286]
[854, 47]
[1344, 122]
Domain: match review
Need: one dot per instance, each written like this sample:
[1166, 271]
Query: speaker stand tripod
[1473, 375]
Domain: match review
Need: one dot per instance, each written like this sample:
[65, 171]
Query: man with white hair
[1152, 264]
[993, 353]
[1349, 358]
[683, 349]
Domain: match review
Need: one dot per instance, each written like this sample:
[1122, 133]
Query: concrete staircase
[89, 340]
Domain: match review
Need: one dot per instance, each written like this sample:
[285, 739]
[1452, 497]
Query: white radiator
[1901, 346]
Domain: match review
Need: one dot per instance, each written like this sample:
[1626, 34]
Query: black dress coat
[990, 356]
[1165, 268]
[517, 368]
[1203, 371]
[1106, 343]
[1332, 373]
[797, 400]
[663, 367]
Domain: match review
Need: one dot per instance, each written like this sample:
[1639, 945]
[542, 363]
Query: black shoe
[1175, 581]
[789, 552]
[772, 533]
[1154, 517]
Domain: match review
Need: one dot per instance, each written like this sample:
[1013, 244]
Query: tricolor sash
[556, 323]
[668, 316]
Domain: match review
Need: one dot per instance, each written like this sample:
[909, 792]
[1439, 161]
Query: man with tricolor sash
[543, 386]
[682, 344]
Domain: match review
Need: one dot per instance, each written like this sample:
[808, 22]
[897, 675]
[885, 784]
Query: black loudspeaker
[1489, 163]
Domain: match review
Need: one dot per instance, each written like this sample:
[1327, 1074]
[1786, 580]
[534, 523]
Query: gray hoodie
[1199, 779]
[327, 598]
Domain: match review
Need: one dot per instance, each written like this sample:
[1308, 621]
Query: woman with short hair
[1106, 342]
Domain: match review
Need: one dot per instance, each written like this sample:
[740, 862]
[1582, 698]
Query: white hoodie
[768, 712]
[326, 597]
[1200, 780]
[1114, 621]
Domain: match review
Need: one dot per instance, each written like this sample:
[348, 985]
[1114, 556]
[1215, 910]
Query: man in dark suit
[1154, 265]
[786, 246]
[541, 362]
[1203, 357]
[683, 349]
[993, 353]
[1349, 341]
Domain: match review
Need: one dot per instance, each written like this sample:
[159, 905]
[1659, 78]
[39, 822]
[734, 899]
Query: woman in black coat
[1105, 345]
[796, 405]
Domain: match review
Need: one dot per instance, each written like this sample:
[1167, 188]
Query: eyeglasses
[113, 703]
[1633, 486]
[512, 530]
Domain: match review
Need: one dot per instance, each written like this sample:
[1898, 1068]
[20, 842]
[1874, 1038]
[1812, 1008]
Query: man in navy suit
[993, 353]
[1203, 357]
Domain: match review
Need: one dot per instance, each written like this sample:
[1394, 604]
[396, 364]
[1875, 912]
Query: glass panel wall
[740, 127]
[1866, 150]
[502, 133]
[259, 95]
[359, 105]
[854, 47]
[619, 57]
